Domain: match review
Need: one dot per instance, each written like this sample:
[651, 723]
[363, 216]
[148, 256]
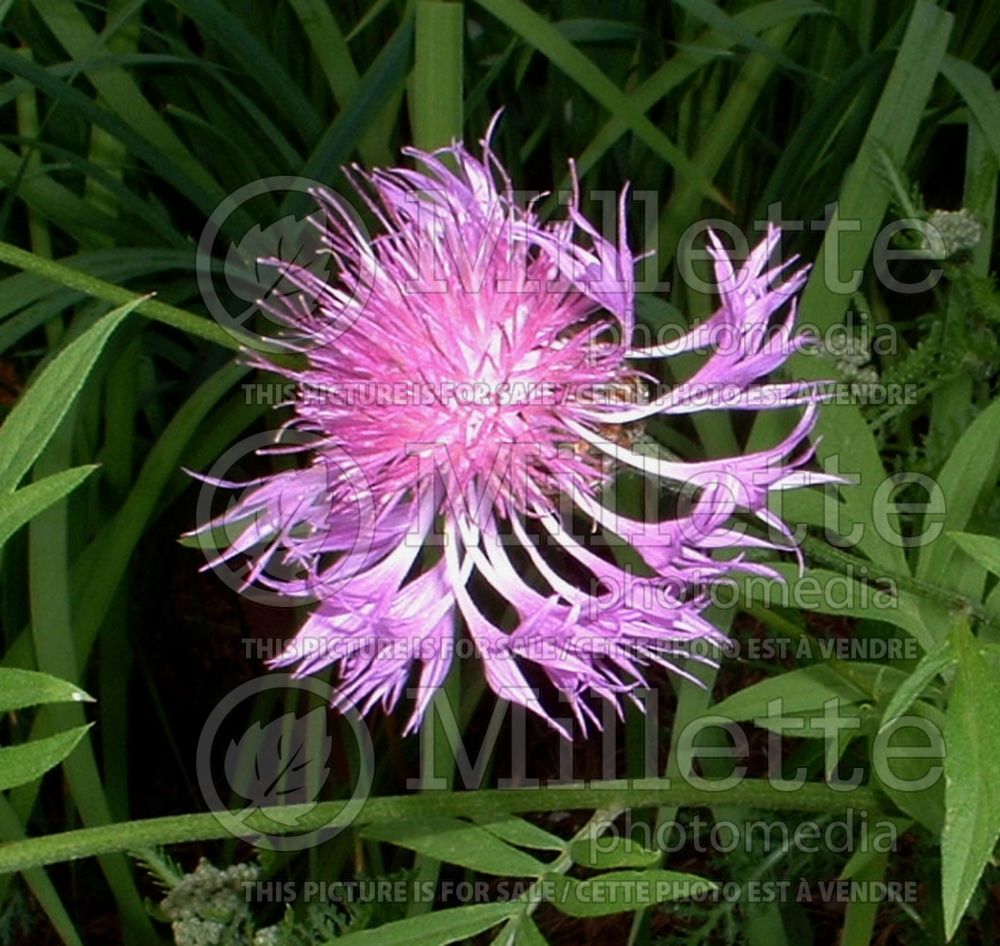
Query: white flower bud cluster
[959, 230]
[208, 907]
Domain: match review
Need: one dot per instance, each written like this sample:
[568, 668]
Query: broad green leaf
[833, 592]
[40, 410]
[612, 852]
[913, 777]
[21, 688]
[808, 689]
[971, 468]
[972, 773]
[622, 891]
[457, 925]
[457, 842]
[26, 503]
[22, 764]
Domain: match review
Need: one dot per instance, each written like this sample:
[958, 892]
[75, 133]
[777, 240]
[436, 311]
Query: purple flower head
[474, 364]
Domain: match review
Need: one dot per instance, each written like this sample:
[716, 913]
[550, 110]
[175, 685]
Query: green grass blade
[169, 315]
[436, 98]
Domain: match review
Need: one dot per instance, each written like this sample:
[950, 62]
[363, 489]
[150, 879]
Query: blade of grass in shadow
[953, 407]
[56, 203]
[369, 17]
[101, 566]
[201, 190]
[114, 662]
[536, 31]
[384, 80]
[257, 62]
[334, 56]
[860, 914]
[831, 121]
[99, 569]
[864, 197]
[725, 25]
[118, 90]
[681, 67]
[976, 88]
[850, 235]
[723, 134]
[142, 216]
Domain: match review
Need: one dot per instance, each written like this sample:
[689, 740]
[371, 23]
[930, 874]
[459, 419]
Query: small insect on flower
[486, 414]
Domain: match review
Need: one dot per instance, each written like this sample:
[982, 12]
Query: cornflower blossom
[474, 364]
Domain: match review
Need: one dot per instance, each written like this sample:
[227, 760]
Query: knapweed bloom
[472, 396]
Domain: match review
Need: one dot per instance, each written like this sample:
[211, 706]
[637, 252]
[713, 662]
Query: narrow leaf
[458, 842]
[22, 764]
[433, 929]
[21, 688]
[24, 504]
[37, 415]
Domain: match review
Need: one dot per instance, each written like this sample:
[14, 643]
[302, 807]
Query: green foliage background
[125, 124]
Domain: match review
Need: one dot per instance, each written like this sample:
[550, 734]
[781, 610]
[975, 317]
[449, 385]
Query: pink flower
[473, 364]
